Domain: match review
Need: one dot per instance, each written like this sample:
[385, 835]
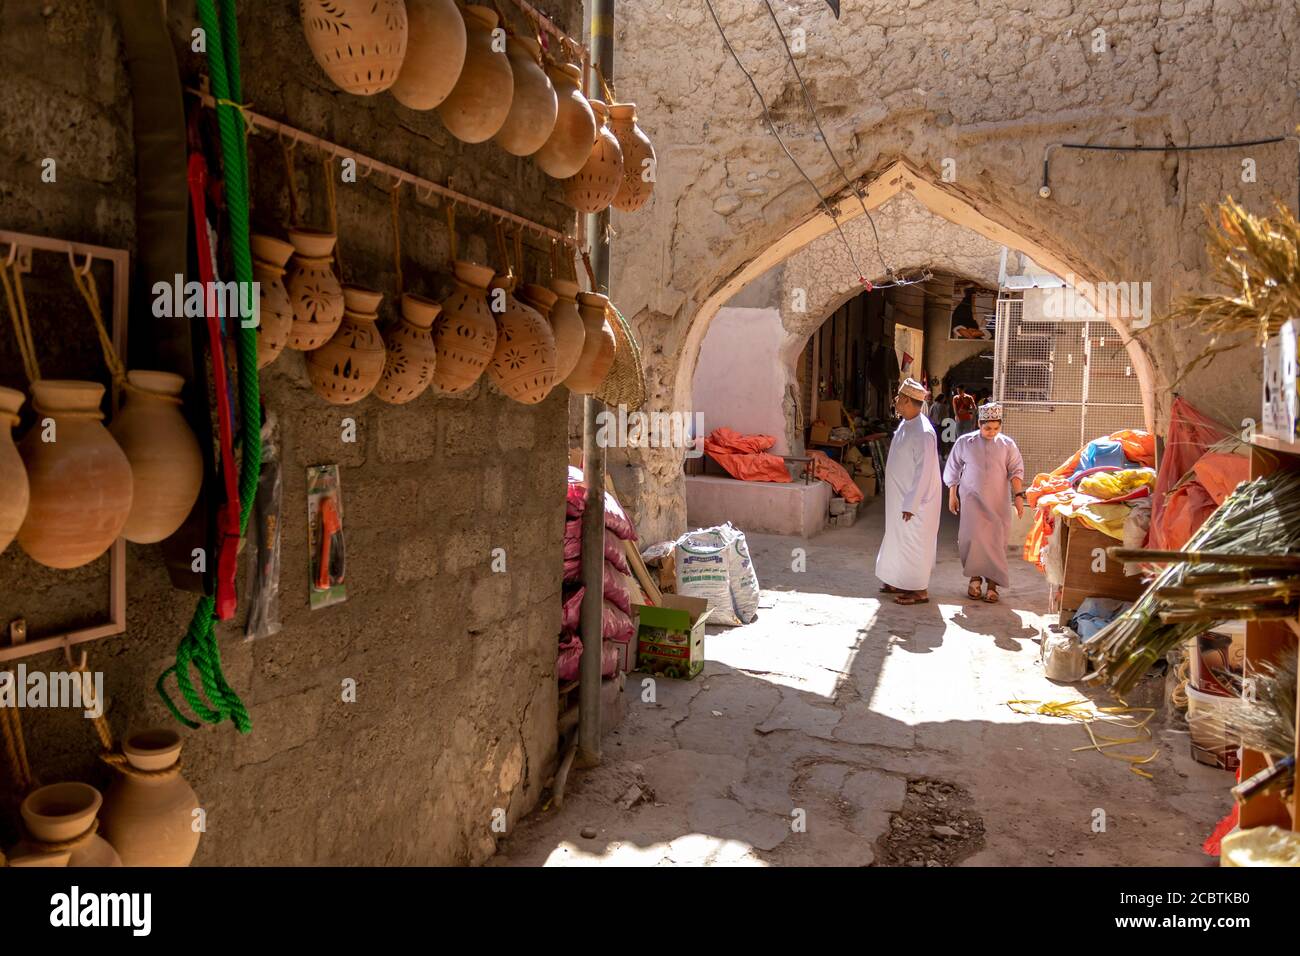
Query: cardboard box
[866, 483]
[670, 638]
[832, 413]
[820, 433]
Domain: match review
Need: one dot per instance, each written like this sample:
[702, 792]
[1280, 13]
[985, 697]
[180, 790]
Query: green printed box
[670, 637]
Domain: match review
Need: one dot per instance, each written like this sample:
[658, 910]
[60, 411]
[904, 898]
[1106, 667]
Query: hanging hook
[67, 656]
[82, 270]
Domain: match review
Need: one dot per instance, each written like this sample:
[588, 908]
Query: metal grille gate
[1061, 383]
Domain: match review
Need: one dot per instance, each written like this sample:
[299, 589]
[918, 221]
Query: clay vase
[478, 105]
[533, 107]
[275, 311]
[633, 190]
[166, 463]
[597, 348]
[435, 53]
[150, 819]
[57, 813]
[594, 186]
[566, 324]
[347, 367]
[568, 147]
[465, 337]
[314, 289]
[360, 44]
[408, 369]
[14, 493]
[523, 363]
[80, 481]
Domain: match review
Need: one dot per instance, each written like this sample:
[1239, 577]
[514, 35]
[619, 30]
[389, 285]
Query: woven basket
[625, 383]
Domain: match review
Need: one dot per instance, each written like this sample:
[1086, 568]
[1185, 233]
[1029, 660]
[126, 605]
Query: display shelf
[1275, 444]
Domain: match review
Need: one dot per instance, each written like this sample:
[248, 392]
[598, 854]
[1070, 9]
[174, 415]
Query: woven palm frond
[625, 383]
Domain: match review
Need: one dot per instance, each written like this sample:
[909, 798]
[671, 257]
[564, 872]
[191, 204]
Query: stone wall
[966, 88]
[455, 665]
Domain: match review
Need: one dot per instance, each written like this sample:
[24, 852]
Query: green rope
[199, 645]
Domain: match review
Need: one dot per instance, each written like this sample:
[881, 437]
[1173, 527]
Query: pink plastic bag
[614, 553]
[615, 518]
[568, 661]
[615, 624]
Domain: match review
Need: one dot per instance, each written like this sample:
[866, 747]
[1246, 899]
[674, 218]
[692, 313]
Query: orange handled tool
[330, 525]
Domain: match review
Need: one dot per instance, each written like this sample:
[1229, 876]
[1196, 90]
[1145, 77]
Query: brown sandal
[992, 596]
[973, 589]
[912, 597]
[890, 589]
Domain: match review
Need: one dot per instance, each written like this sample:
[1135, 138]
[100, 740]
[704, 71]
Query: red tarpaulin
[1175, 517]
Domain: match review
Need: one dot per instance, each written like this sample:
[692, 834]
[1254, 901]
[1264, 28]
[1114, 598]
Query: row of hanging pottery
[431, 54]
[72, 486]
[147, 818]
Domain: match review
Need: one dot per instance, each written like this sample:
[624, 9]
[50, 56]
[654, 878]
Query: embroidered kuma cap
[913, 389]
[992, 412]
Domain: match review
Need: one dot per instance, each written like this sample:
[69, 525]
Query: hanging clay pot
[480, 102]
[523, 363]
[275, 311]
[408, 369]
[638, 158]
[58, 813]
[360, 44]
[347, 367]
[149, 808]
[465, 336]
[597, 347]
[314, 289]
[14, 492]
[80, 479]
[166, 463]
[594, 186]
[435, 53]
[566, 324]
[533, 106]
[569, 145]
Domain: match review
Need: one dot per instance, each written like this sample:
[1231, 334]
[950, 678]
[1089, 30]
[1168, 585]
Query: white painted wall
[741, 377]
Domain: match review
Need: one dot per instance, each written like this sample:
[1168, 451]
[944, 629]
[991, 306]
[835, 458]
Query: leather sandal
[890, 589]
[973, 589]
[913, 597]
[992, 596]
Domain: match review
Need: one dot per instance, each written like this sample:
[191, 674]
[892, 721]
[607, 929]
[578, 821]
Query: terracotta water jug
[314, 289]
[149, 808]
[594, 186]
[568, 147]
[408, 369]
[533, 107]
[566, 325]
[14, 492]
[465, 336]
[347, 367]
[523, 363]
[638, 158]
[478, 105]
[166, 462]
[435, 53]
[275, 311]
[80, 479]
[360, 44]
[598, 345]
[59, 813]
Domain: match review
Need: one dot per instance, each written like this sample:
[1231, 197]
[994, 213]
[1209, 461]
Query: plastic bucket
[1210, 741]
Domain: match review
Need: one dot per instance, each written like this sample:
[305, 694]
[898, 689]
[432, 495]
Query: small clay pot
[598, 346]
[533, 107]
[638, 158]
[275, 311]
[523, 363]
[561, 312]
[465, 336]
[14, 491]
[412, 357]
[594, 186]
[314, 289]
[435, 54]
[568, 147]
[360, 44]
[150, 819]
[80, 479]
[58, 813]
[166, 462]
[477, 107]
[347, 367]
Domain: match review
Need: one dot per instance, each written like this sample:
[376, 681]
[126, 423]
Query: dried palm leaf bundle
[1243, 563]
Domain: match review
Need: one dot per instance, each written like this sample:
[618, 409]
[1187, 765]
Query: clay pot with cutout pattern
[523, 363]
[533, 107]
[360, 44]
[314, 289]
[594, 186]
[569, 146]
[347, 368]
[275, 311]
[149, 814]
[566, 325]
[598, 345]
[79, 478]
[638, 158]
[465, 336]
[166, 462]
[435, 54]
[14, 492]
[59, 813]
[412, 357]
[477, 107]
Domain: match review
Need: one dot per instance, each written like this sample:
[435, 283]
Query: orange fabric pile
[746, 456]
[834, 474]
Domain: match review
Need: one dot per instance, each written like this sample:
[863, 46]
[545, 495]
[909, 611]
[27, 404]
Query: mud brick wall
[455, 665]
